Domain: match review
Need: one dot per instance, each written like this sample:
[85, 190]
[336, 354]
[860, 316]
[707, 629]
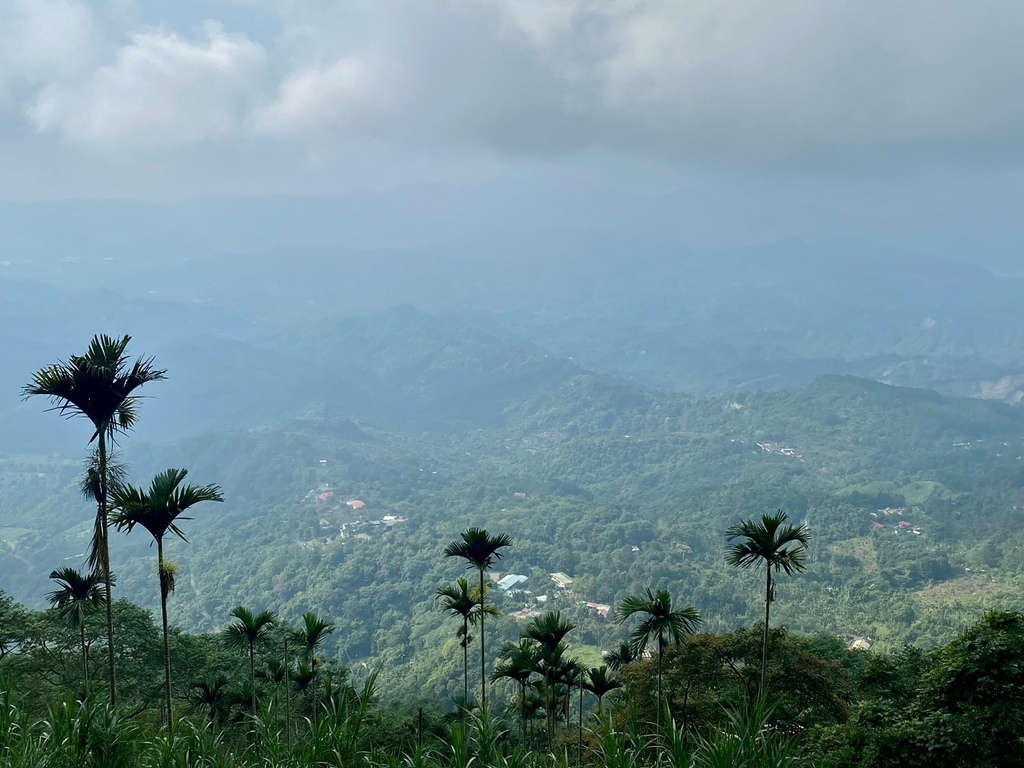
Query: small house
[562, 580]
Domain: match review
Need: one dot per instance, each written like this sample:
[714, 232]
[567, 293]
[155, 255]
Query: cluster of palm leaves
[290, 668]
[546, 675]
[539, 663]
[100, 386]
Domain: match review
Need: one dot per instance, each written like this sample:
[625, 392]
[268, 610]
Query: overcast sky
[889, 120]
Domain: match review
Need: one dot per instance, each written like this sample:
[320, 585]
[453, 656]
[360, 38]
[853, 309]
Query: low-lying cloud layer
[846, 88]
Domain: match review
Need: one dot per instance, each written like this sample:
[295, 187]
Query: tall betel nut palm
[247, 631]
[77, 596]
[548, 631]
[310, 636]
[779, 546]
[158, 510]
[600, 682]
[518, 662]
[100, 386]
[660, 624]
[479, 549]
[459, 600]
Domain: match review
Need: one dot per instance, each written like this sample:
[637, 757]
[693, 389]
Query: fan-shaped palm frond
[549, 630]
[211, 694]
[621, 656]
[98, 385]
[77, 594]
[518, 662]
[159, 508]
[310, 635]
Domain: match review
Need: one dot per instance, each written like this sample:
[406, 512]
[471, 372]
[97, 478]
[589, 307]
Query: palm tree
[548, 631]
[158, 510]
[78, 595]
[479, 549]
[518, 662]
[780, 546]
[662, 624]
[572, 675]
[99, 385]
[600, 683]
[456, 599]
[211, 694]
[247, 631]
[311, 636]
[620, 657]
[303, 678]
[276, 673]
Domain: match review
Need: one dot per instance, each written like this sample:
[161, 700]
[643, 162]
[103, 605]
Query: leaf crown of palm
[457, 598]
[249, 628]
[781, 546]
[600, 681]
[77, 593]
[97, 385]
[661, 624]
[158, 509]
[478, 548]
[517, 661]
[313, 631]
[549, 630]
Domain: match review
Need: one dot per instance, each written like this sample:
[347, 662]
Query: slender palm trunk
[465, 660]
[661, 654]
[252, 674]
[522, 709]
[764, 642]
[483, 665]
[287, 695]
[163, 614]
[549, 705]
[312, 682]
[579, 734]
[104, 552]
[85, 655]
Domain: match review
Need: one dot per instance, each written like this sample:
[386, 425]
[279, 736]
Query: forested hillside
[616, 486]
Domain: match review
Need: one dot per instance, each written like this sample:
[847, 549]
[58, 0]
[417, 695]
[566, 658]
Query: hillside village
[342, 519]
[894, 520]
[512, 585]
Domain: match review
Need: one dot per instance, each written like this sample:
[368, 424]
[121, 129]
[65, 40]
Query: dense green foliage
[956, 706]
[596, 492]
[621, 489]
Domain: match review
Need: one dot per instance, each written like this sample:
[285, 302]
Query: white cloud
[161, 92]
[317, 99]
